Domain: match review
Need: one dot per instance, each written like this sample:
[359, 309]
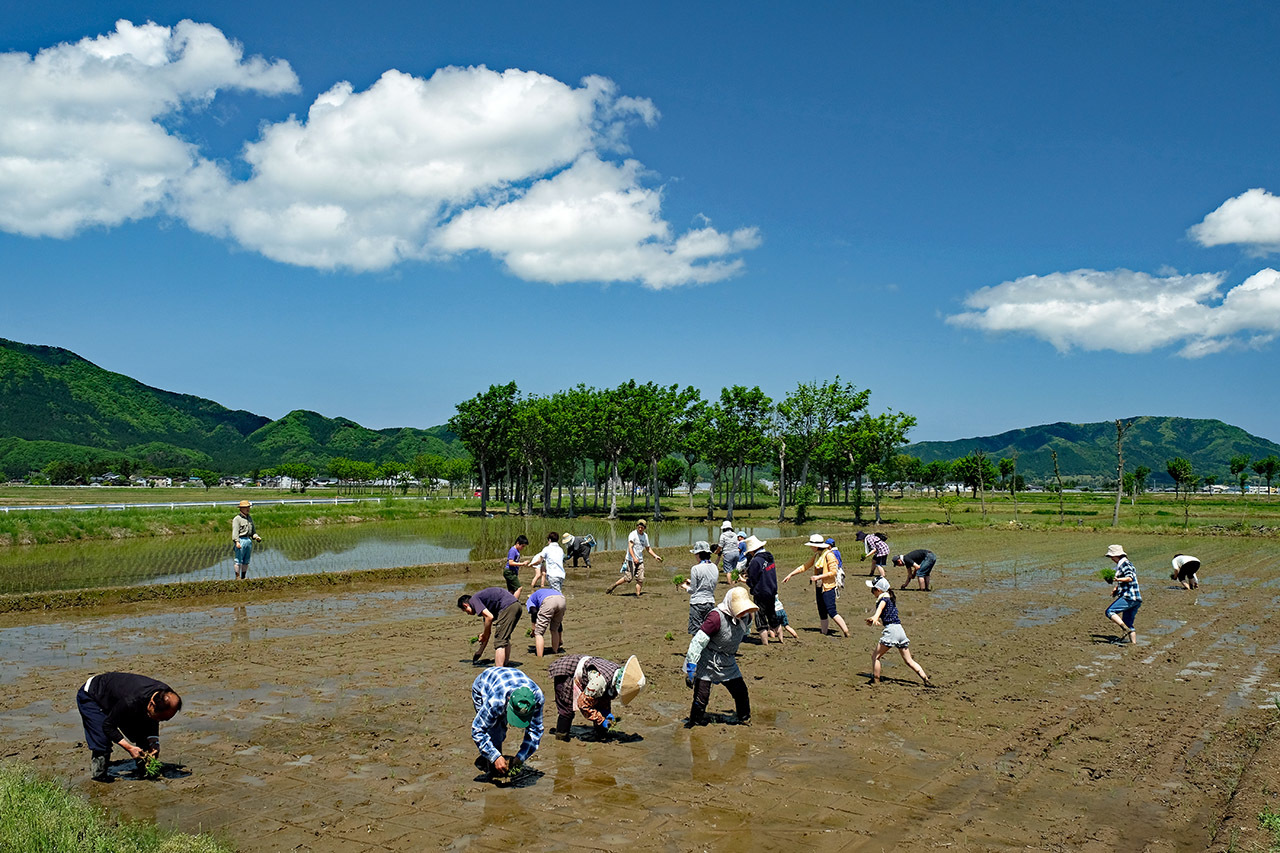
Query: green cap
[521, 706]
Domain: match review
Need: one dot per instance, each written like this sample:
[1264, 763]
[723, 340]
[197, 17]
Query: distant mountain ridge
[55, 404]
[1090, 449]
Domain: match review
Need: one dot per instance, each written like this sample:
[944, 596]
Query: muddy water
[342, 723]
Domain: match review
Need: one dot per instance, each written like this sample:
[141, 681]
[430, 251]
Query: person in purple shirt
[501, 613]
[511, 571]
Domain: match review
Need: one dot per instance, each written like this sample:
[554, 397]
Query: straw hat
[727, 525]
[1115, 551]
[754, 544]
[245, 504]
[739, 602]
[817, 540]
[629, 681]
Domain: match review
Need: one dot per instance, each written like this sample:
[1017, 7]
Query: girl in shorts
[893, 636]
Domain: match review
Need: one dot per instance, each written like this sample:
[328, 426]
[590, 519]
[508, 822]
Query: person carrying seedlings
[893, 636]
[501, 613]
[875, 546]
[701, 585]
[825, 577]
[121, 708]
[633, 563]
[919, 565]
[552, 557]
[546, 612]
[713, 658]
[243, 535]
[511, 570]
[1186, 571]
[576, 547]
[504, 697]
[1128, 598]
[762, 583]
[590, 684]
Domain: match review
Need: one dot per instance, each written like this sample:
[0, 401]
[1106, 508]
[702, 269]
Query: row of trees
[818, 434]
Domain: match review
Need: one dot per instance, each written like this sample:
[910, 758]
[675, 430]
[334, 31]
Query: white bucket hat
[1115, 551]
[817, 540]
[728, 525]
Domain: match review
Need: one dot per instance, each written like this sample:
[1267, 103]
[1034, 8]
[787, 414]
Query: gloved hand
[609, 720]
[689, 670]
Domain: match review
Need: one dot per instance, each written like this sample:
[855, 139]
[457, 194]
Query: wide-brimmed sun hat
[739, 602]
[881, 584]
[862, 534]
[245, 504]
[817, 540]
[700, 547]
[1115, 551]
[727, 525]
[629, 681]
[754, 544]
[521, 705]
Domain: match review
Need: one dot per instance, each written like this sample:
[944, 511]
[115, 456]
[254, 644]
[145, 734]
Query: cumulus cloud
[1251, 218]
[1131, 312]
[81, 143]
[514, 163]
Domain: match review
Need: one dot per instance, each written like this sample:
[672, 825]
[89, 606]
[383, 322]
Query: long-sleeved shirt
[762, 577]
[241, 527]
[703, 579]
[489, 694]
[124, 696]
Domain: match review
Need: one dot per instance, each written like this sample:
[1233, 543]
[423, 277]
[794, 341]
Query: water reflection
[317, 549]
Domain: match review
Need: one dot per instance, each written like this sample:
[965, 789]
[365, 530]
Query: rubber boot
[98, 768]
[563, 723]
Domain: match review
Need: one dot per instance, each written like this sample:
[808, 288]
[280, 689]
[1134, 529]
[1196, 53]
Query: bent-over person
[123, 709]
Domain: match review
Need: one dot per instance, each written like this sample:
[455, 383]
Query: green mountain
[1089, 450]
[55, 405]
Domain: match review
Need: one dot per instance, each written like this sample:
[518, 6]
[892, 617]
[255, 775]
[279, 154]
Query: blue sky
[992, 215]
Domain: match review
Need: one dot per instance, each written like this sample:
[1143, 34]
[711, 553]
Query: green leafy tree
[935, 475]
[809, 414]
[482, 424]
[871, 444]
[1267, 469]
[1179, 470]
[208, 478]
[740, 421]
[1239, 467]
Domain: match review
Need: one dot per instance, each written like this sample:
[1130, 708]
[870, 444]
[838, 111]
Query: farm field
[326, 722]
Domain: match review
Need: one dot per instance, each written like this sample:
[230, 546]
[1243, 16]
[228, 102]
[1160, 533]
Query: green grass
[1270, 822]
[40, 816]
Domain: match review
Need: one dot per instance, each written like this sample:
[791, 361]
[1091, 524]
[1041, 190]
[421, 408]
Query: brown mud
[338, 720]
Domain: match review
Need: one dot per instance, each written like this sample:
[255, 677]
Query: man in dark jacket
[762, 583]
[125, 709]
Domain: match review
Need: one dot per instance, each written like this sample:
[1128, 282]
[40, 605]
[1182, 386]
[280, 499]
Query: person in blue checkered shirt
[1128, 596]
[505, 697]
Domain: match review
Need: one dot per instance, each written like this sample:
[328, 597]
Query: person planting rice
[504, 697]
[875, 546]
[243, 535]
[826, 572]
[501, 613]
[701, 585]
[590, 684]
[728, 550]
[762, 582]
[919, 565]
[578, 547]
[1186, 571]
[546, 612]
[893, 636]
[713, 658]
[121, 708]
[1128, 598]
[552, 557]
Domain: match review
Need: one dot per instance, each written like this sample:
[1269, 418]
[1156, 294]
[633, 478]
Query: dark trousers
[95, 722]
[702, 694]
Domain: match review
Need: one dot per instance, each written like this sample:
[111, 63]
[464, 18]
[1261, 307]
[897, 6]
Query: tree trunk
[657, 506]
[782, 480]
[611, 490]
[733, 490]
[484, 487]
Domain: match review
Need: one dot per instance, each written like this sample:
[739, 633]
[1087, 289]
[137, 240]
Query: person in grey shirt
[701, 585]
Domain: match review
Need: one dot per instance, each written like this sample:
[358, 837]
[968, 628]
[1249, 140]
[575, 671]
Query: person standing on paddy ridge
[501, 613]
[893, 636]
[633, 563]
[701, 585]
[762, 582]
[546, 612]
[590, 684]
[824, 578]
[243, 535]
[552, 557]
[728, 549]
[713, 657]
[1128, 598]
[1186, 571]
[875, 546]
[121, 708]
[919, 565]
[511, 571]
[504, 697]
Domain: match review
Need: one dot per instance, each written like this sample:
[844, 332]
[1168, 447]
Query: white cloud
[80, 142]
[514, 163]
[1131, 312]
[1251, 218]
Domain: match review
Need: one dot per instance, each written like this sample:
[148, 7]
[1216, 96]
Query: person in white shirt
[553, 558]
[633, 565]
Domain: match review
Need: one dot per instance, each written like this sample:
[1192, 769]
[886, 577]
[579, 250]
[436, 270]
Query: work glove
[689, 670]
[609, 720]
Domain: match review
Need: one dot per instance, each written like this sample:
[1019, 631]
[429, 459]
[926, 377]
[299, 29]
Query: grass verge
[41, 816]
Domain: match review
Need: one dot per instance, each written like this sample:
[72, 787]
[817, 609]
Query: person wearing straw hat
[504, 697]
[825, 577]
[1186, 571]
[578, 547]
[762, 583]
[1128, 598]
[713, 658]
[590, 684]
[728, 548]
[243, 535]
[701, 585]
